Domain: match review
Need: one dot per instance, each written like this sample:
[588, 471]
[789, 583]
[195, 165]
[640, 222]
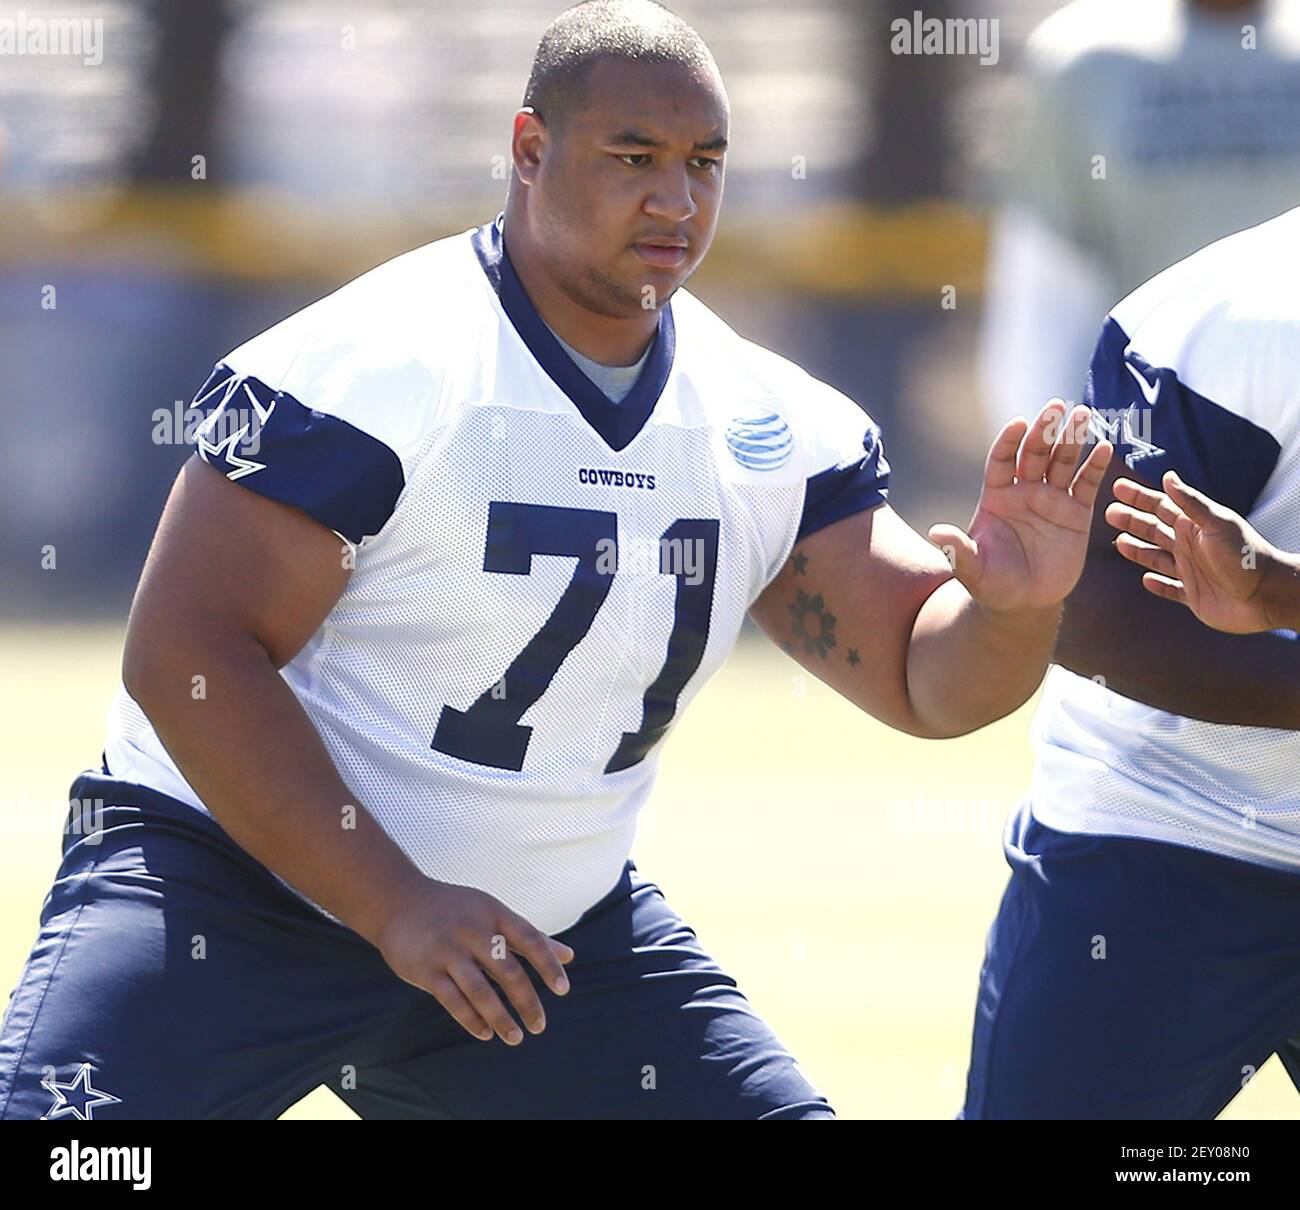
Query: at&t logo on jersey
[760, 442]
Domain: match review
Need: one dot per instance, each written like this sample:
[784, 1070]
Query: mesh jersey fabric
[489, 692]
[1194, 371]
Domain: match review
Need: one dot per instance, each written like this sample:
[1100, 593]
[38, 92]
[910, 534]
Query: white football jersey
[1198, 370]
[543, 578]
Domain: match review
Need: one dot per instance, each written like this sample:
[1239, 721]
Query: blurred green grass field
[843, 873]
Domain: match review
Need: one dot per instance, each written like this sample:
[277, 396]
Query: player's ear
[528, 144]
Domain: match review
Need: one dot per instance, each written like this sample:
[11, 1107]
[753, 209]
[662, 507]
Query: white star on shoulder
[228, 386]
[225, 451]
[1123, 432]
[1138, 447]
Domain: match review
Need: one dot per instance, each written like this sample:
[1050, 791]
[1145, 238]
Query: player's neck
[608, 341]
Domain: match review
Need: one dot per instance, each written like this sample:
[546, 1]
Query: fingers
[1036, 447]
[1088, 478]
[1148, 500]
[444, 990]
[451, 940]
[1130, 491]
[1198, 507]
[478, 991]
[509, 976]
[1141, 525]
[1164, 586]
[1000, 469]
[959, 549]
[1145, 555]
[544, 953]
[546, 956]
[1178, 503]
[1064, 457]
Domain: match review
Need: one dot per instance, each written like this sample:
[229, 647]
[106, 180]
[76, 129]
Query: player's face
[627, 193]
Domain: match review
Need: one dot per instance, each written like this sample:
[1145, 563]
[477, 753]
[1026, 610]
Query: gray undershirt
[614, 381]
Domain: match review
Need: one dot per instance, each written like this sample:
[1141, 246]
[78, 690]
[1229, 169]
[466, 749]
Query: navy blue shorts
[175, 977]
[1131, 979]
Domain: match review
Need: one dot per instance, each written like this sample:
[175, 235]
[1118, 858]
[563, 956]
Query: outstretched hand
[1028, 538]
[1197, 552]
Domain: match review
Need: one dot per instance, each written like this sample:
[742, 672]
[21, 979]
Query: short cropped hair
[636, 31]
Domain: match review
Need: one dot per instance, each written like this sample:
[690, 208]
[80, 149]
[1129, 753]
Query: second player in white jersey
[539, 588]
[1197, 371]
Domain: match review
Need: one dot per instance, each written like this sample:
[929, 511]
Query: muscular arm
[871, 608]
[936, 653]
[234, 587]
[1156, 652]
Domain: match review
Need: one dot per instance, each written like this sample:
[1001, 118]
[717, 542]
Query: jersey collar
[617, 424]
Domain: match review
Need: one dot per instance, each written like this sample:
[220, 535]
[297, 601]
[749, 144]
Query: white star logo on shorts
[77, 1099]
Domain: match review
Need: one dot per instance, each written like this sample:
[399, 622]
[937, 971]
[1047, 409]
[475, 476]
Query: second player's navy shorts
[1131, 979]
[175, 977]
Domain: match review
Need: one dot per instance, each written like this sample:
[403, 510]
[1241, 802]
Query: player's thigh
[168, 979]
[1129, 979]
[652, 1028]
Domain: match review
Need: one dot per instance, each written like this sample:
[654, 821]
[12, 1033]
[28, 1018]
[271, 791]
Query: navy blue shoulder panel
[1158, 423]
[839, 492]
[617, 424]
[269, 442]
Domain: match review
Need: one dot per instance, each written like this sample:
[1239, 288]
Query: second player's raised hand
[1197, 552]
[1027, 541]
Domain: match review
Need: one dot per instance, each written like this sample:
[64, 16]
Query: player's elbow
[946, 729]
[164, 668]
[151, 668]
[952, 719]
[921, 724]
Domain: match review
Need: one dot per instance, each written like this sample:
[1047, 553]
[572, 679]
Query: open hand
[1197, 552]
[1028, 539]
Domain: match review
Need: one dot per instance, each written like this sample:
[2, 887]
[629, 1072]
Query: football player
[461, 542]
[1145, 960]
